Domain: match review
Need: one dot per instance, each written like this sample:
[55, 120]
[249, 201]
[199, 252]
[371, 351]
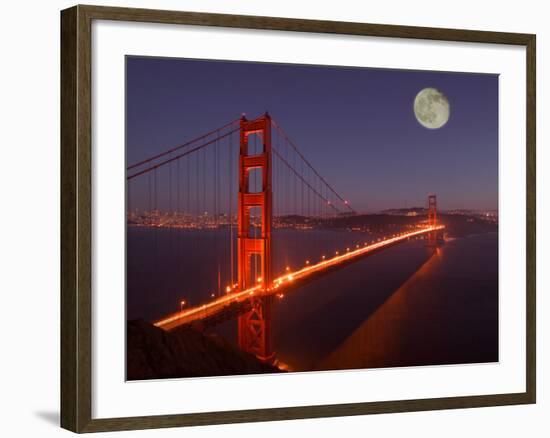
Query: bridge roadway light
[182, 303]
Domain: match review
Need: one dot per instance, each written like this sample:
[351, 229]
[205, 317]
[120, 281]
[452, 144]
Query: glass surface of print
[286, 218]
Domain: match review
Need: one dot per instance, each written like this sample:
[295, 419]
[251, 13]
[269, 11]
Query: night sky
[356, 125]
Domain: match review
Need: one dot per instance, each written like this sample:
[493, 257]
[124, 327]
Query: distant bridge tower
[432, 210]
[255, 325]
[432, 219]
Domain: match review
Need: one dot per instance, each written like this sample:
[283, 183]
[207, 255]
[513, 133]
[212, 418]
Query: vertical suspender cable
[128, 202]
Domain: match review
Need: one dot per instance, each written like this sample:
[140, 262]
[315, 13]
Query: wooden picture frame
[76, 217]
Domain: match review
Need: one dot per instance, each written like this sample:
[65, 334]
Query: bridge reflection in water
[438, 315]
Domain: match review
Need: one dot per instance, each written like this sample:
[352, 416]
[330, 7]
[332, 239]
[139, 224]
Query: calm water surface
[407, 305]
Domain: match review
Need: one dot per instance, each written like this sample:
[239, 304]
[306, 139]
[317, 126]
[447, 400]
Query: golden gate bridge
[276, 186]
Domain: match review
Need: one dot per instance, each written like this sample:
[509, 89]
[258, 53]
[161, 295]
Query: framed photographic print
[267, 218]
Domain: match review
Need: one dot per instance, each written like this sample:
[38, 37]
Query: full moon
[431, 108]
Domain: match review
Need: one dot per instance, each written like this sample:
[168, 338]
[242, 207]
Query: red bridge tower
[255, 325]
[432, 219]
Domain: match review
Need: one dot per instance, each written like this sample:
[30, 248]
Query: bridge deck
[232, 302]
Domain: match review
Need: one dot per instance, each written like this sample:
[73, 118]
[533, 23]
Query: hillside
[153, 353]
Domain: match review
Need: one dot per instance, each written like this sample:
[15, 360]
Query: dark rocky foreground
[153, 353]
